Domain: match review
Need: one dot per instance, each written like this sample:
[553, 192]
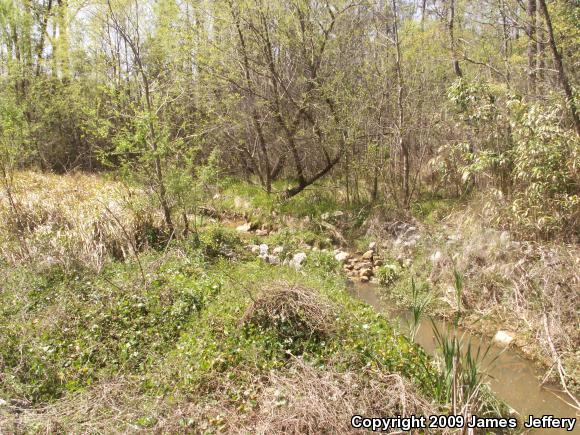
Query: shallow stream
[513, 378]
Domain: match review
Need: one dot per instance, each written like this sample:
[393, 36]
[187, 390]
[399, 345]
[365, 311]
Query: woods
[392, 100]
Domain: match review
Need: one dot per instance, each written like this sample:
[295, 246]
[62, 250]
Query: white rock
[436, 257]
[254, 248]
[3, 402]
[503, 338]
[341, 256]
[373, 246]
[263, 250]
[261, 233]
[244, 228]
[278, 250]
[297, 260]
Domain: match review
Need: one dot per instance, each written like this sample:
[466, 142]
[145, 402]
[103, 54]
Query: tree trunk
[560, 68]
[532, 46]
[451, 28]
[403, 145]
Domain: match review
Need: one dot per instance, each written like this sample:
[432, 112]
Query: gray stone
[297, 260]
[272, 259]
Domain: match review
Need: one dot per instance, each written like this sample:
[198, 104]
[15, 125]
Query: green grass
[63, 332]
[432, 210]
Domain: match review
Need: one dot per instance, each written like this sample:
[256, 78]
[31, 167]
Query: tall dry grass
[530, 288]
[73, 220]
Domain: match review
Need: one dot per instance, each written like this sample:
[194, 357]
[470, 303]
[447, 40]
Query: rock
[364, 278]
[262, 233]
[349, 266]
[263, 250]
[503, 338]
[357, 266]
[3, 402]
[297, 260]
[436, 257]
[366, 272]
[341, 256]
[373, 246]
[278, 250]
[368, 255]
[378, 263]
[272, 259]
[245, 228]
[407, 263]
[255, 249]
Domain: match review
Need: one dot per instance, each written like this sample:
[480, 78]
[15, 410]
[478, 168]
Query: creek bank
[512, 377]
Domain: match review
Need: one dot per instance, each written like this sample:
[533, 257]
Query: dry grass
[518, 283]
[300, 400]
[310, 400]
[72, 220]
[291, 310]
[509, 284]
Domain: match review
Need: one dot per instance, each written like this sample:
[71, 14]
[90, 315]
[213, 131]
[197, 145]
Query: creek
[512, 378]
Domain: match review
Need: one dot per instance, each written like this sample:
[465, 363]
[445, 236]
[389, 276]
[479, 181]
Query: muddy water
[512, 378]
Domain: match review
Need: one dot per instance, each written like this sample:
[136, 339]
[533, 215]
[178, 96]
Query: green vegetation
[205, 315]
[185, 188]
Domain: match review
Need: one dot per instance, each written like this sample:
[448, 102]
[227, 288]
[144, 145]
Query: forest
[267, 216]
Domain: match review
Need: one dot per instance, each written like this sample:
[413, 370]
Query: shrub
[388, 274]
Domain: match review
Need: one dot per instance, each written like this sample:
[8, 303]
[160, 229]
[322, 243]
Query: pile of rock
[275, 256]
[362, 266]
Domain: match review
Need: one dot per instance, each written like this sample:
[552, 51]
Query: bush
[388, 274]
[217, 241]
